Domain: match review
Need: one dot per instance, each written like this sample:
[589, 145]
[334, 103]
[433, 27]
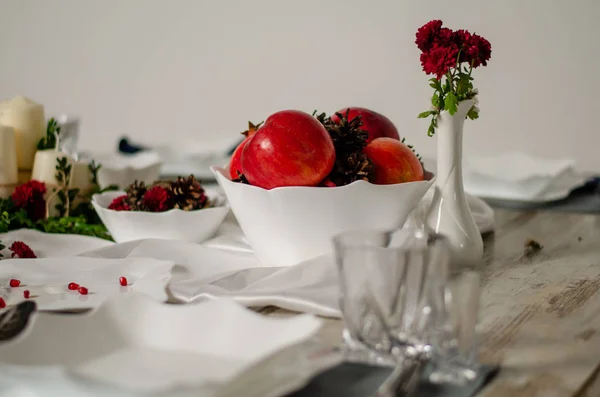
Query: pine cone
[351, 168]
[349, 140]
[135, 194]
[188, 194]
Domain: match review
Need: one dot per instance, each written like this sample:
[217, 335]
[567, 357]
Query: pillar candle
[44, 166]
[44, 170]
[27, 118]
[8, 161]
[81, 177]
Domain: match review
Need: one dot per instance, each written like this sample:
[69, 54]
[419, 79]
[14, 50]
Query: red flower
[439, 60]
[427, 34]
[477, 51]
[21, 250]
[119, 204]
[30, 197]
[156, 199]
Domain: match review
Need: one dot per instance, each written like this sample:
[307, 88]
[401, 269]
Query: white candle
[44, 166]
[44, 170]
[8, 161]
[27, 118]
[81, 177]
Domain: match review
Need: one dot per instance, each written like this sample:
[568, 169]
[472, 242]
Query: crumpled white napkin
[226, 267]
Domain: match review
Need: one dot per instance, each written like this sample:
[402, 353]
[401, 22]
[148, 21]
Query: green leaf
[473, 113]
[451, 103]
[49, 141]
[426, 114]
[463, 86]
[435, 84]
[431, 129]
[435, 100]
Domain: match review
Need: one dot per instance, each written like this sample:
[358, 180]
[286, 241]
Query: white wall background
[163, 70]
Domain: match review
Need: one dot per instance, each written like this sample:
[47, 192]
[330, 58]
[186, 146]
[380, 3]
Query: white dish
[197, 165]
[516, 176]
[137, 345]
[122, 170]
[47, 280]
[46, 245]
[288, 225]
[195, 226]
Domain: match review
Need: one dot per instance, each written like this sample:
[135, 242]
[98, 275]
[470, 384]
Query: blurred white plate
[47, 280]
[134, 344]
[516, 176]
[122, 170]
[197, 165]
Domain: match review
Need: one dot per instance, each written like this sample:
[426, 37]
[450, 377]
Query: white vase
[449, 213]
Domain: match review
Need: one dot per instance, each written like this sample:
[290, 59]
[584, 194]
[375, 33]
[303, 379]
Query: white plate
[46, 245]
[198, 165]
[47, 280]
[122, 170]
[138, 345]
[516, 176]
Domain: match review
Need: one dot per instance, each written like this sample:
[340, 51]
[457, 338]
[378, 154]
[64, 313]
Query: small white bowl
[123, 170]
[193, 226]
[288, 225]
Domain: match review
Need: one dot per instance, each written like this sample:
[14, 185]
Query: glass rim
[431, 238]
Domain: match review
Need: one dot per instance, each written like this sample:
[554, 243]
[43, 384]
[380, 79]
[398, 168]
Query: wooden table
[540, 313]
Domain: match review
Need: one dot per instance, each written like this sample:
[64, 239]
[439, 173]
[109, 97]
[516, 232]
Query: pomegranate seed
[2, 303]
[26, 294]
[83, 290]
[73, 286]
[14, 282]
[123, 281]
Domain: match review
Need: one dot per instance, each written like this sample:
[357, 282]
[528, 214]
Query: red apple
[235, 164]
[292, 148]
[393, 162]
[377, 125]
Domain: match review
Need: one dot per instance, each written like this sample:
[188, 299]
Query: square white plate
[47, 280]
[139, 345]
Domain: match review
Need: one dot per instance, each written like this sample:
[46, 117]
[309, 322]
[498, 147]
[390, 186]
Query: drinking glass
[456, 342]
[391, 292]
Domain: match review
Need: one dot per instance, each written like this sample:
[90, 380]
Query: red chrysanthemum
[21, 250]
[30, 197]
[477, 51]
[119, 204]
[426, 35]
[439, 60]
[156, 199]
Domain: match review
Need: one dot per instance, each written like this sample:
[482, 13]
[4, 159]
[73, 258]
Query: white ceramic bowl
[288, 225]
[123, 170]
[194, 226]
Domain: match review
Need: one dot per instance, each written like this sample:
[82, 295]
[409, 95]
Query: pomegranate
[235, 164]
[292, 148]
[393, 162]
[377, 125]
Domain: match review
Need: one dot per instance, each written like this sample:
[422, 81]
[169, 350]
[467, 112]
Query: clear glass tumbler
[456, 353]
[391, 292]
